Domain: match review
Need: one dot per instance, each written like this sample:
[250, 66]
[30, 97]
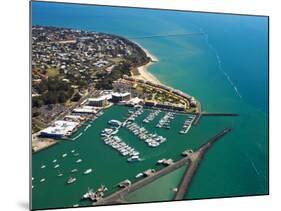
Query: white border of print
[15, 102]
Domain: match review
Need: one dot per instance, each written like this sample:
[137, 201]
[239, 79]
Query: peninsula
[76, 74]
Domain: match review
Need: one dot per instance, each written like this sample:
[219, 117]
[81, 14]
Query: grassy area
[52, 72]
[116, 60]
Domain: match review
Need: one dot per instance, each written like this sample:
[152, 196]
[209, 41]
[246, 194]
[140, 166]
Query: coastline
[144, 73]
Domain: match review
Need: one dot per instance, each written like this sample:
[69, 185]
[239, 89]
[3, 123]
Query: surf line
[220, 67]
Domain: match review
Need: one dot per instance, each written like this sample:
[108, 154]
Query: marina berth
[151, 139]
[187, 124]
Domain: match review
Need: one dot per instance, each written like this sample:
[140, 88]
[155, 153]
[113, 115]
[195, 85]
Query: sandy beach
[143, 70]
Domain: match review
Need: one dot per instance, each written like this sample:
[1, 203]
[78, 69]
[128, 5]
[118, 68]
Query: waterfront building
[118, 97]
[59, 129]
[98, 101]
[85, 110]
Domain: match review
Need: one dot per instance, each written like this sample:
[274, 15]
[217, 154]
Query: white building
[59, 129]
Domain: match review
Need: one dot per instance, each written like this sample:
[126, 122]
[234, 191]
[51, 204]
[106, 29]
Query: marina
[112, 135]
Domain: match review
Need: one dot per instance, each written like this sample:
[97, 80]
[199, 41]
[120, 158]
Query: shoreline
[144, 73]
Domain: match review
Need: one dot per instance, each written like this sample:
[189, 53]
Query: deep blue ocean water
[226, 68]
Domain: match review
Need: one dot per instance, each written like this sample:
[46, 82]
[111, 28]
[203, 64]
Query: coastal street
[193, 160]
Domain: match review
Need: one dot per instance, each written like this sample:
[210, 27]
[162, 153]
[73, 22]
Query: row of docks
[152, 139]
[151, 116]
[187, 124]
[124, 149]
[133, 114]
[166, 120]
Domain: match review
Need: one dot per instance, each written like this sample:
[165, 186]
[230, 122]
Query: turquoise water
[226, 69]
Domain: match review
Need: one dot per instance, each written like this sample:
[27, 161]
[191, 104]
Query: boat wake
[259, 173]
[220, 67]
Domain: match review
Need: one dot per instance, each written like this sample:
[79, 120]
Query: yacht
[43, 166]
[139, 175]
[88, 194]
[60, 174]
[133, 158]
[88, 171]
[43, 180]
[79, 161]
[74, 170]
[56, 166]
[54, 161]
[64, 155]
[71, 180]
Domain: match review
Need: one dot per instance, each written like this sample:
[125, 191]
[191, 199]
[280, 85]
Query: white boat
[71, 180]
[64, 155]
[54, 161]
[88, 194]
[76, 154]
[42, 180]
[32, 178]
[60, 175]
[124, 183]
[79, 161]
[74, 170]
[75, 205]
[139, 175]
[56, 166]
[88, 171]
[72, 151]
[160, 161]
[133, 158]
[43, 166]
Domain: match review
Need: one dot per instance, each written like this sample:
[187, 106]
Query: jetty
[194, 159]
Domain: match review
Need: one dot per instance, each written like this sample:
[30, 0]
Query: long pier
[194, 159]
[218, 114]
